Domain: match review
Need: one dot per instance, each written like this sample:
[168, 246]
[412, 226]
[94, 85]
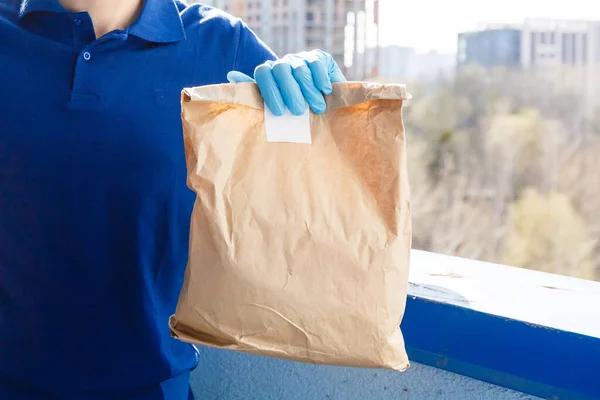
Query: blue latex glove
[294, 80]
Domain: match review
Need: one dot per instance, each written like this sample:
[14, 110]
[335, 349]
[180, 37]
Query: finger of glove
[333, 70]
[269, 89]
[290, 89]
[335, 74]
[312, 94]
[238, 77]
[320, 76]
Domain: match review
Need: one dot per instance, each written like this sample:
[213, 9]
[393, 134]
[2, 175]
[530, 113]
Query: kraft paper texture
[298, 251]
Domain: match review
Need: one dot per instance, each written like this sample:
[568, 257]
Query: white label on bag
[288, 128]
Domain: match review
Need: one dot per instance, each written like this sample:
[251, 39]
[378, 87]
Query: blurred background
[504, 129]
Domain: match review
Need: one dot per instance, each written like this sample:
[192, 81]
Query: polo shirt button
[77, 21]
[87, 56]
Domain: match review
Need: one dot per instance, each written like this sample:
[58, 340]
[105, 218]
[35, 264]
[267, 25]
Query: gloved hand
[294, 80]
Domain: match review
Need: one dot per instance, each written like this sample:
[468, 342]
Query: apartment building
[490, 47]
[552, 42]
[569, 49]
[401, 64]
[289, 26]
[536, 42]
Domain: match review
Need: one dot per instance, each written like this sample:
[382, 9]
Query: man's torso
[94, 208]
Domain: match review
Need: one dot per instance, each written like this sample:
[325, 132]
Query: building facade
[290, 26]
[551, 42]
[491, 47]
[403, 64]
[568, 49]
[536, 42]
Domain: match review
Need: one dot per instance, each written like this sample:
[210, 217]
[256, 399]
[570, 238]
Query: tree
[579, 178]
[546, 233]
[503, 167]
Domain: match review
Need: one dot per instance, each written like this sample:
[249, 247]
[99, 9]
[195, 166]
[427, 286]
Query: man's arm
[251, 51]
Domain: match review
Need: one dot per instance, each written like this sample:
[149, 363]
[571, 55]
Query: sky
[433, 24]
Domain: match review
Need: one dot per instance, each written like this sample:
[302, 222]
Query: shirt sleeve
[251, 51]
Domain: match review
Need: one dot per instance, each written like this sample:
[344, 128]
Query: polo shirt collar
[159, 20]
[29, 6]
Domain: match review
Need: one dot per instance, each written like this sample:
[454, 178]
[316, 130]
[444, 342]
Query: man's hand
[295, 80]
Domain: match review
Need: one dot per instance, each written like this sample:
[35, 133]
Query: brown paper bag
[298, 251]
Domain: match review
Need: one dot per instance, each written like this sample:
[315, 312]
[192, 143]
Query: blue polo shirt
[94, 208]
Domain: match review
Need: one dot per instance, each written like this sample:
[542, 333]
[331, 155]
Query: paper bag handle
[344, 94]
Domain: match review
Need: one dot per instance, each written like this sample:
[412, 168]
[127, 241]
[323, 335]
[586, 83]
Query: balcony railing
[473, 331]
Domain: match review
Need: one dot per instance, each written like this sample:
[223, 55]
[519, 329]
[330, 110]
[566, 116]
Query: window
[574, 48]
[462, 50]
[584, 48]
[533, 47]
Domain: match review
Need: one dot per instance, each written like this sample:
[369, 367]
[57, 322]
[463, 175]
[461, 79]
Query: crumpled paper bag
[298, 251]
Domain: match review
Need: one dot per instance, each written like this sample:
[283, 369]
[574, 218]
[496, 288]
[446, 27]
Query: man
[94, 208]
